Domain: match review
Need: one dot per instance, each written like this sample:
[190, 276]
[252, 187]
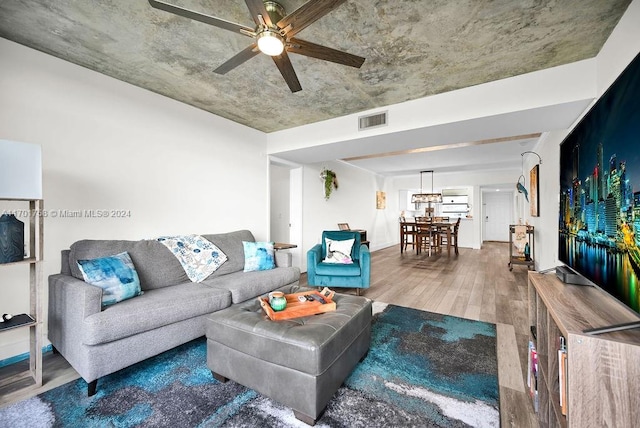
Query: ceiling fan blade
[286, 69]
[307, 14]
[242, 56]
[197, 16]
[256, 7]
[313, 50]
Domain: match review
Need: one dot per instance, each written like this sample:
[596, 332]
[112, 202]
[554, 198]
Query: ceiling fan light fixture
[273, 34]
[270, 42]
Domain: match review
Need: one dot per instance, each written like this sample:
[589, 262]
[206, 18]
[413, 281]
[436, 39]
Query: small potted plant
[330, 182]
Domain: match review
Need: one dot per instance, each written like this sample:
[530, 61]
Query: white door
[279, 203]
[295, 218]
[497, 210]
[286, 208]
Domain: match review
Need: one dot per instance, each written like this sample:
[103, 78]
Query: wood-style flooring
[476, 284]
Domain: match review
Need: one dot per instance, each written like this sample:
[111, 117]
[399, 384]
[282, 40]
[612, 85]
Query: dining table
[408, 227]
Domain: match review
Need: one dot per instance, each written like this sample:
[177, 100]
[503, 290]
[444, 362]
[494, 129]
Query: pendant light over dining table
[426, 198]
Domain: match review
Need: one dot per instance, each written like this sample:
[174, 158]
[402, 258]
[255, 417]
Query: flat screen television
[599, 221]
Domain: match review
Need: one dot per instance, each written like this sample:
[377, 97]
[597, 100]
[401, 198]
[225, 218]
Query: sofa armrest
[70, 302]
[283, 258]
[64, 262]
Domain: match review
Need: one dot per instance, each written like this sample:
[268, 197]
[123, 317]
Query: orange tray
[296, 308]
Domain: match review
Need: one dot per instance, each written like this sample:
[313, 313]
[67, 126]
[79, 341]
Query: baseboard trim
[22, 357]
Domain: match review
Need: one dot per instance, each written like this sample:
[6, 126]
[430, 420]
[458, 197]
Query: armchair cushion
[336, 269]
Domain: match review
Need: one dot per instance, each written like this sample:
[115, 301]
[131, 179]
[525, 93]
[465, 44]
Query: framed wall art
[381, 200]
[534, 193]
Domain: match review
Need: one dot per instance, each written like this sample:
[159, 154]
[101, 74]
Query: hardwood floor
[476, 284]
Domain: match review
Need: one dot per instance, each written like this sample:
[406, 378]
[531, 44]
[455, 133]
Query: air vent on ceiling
[372, 121]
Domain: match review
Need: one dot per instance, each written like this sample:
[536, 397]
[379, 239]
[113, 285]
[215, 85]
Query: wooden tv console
[603, 371]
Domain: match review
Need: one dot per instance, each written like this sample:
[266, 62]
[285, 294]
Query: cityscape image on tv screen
[600, 191]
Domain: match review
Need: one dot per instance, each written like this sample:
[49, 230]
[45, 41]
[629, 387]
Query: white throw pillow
[338, 251]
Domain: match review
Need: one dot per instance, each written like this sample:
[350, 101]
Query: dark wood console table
[363, 236]
[363, 233]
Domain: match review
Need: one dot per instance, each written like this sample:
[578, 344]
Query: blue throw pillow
[116, 275]
[258, 256]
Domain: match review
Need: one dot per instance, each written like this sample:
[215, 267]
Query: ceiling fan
[274, 34]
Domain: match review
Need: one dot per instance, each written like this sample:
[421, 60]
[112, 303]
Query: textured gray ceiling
[412, 48]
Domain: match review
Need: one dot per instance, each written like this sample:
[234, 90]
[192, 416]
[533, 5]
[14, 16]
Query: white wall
[354, 202]
[621, 47]
[111, 146]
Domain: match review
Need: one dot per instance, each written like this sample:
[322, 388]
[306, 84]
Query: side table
[281, 246]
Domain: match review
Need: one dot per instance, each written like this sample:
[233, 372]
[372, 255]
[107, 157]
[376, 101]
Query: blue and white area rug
[423, 369]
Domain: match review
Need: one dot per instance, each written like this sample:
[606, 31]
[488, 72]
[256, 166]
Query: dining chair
[408, 236]
[426, 238]
[453, 236]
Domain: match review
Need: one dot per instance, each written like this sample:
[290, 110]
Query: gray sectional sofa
[98, 340]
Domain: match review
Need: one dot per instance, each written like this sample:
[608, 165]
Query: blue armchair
[353, 275]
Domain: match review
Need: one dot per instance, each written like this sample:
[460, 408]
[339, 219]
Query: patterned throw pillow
[338, 251]
[199, 257]
[258, 256]
[116, 275]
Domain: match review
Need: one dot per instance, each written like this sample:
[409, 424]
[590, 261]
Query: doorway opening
[497, 214]
[285, 205]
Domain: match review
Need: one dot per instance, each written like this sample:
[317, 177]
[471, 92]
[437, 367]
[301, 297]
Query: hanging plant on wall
[330, 182]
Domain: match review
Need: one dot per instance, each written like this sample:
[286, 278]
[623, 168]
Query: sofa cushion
[155, 264]
[116, 275]
[258, 256]
[246, 285]
[154, 309]
[231, 244]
